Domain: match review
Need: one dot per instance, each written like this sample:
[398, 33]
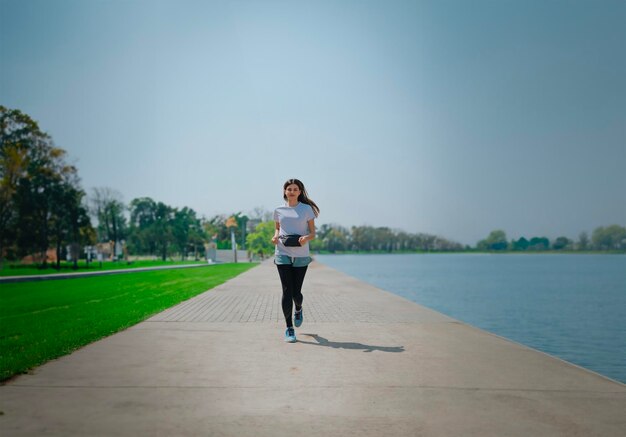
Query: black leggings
[291, 278]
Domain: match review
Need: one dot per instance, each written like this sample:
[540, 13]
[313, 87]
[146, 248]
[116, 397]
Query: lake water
[570, 306]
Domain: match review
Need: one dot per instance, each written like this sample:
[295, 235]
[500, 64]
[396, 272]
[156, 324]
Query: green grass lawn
[16, 269]
[43, 320]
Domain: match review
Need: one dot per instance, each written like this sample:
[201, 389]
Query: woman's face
[292, 192]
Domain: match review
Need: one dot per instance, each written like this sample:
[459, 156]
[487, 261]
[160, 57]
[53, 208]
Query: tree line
[43, 206]
[155, 228]
[334, 238]
[604, 238]
[337, 239]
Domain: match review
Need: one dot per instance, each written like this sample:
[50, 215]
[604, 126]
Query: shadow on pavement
[321, 341]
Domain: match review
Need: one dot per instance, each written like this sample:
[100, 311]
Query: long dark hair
[303, 197]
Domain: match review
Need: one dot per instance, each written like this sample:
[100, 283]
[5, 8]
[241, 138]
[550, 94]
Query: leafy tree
[495, 241]
[197, 239]
[362, 238]
[41, 198]
[323, 230]
[17, 134]
[69, 217]
[34, 201]
[424, 242]
[143, 212]
[261, 214]
[441, 244]
[337, 239]
[187, 231]
[562, 243]
[240, 230]
[162, 230]
[367, 238]
[539, 243]
[384, 239]
[215, 229]
[109, 208]
[259, 241]
[611, 237]
[81, 231]
[21, 140]
[403, 241]
[521, 244]
[157, 228]
[583, 241]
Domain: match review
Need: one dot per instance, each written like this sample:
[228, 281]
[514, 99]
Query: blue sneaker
[290, 335]
[298, 317]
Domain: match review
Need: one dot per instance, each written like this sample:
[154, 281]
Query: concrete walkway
[367, 363]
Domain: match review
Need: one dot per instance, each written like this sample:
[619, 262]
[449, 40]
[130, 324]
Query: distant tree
[143, 215]
[495, 241]
[539, 243]
[323, 230]
[338, 239]
[362, 238]
[260, 241]
[521, 244]
[46, 192]
[260, 213]
[40, 194]
[403, 241]
[21, 141]
[81, 231]
[424, 242]
[69, 217]
[108, 208]
[142, 212]
[162, 230]
[444, 245]
[240, 230]
[18, 132]
[583, 241]
[331, 237]
[187, 231]
[562, 243]
[216, 227]
[197, 239]
[367, 238]
[34, 202]
[611, 237]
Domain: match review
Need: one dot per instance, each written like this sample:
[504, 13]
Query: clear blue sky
[447, 117]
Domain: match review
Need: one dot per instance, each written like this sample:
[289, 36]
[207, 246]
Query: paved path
[367, 363]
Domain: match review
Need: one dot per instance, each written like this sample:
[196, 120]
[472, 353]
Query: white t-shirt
[293, 220]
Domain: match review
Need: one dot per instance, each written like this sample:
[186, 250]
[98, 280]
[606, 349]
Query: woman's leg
[285, 271]
[298, 280]
[291, 279]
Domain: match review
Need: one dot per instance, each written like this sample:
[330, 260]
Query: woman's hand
[303, 239]
[274, 240]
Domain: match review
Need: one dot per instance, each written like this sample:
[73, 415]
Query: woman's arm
[311, 235]
[276, 231]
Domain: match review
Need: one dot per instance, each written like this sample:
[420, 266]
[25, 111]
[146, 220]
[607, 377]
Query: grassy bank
[16, 269]
[43, 320]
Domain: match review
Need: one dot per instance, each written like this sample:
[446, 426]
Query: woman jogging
[295, 227]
